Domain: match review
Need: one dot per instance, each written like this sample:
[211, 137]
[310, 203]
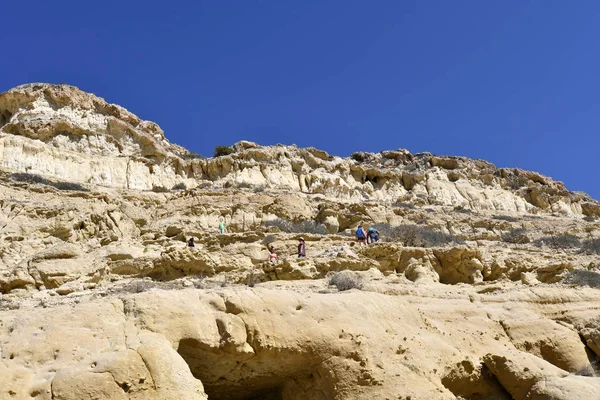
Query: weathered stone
[100, 296]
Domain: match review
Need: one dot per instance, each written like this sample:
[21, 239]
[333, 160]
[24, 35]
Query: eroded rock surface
[484, 285]
[63, 132]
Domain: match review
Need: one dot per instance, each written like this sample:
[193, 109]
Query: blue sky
[512, 82]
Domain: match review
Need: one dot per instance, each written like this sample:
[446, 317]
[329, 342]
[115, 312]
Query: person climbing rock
[301, 248]
[272, 255]
[190, 242]
[222, 226]
[361, 235]
[372, 235]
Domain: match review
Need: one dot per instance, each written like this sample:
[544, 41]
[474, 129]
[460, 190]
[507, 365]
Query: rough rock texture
[60, 131]
[485, 284]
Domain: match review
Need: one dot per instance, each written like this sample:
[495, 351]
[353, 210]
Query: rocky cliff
[485, 284]
[60, 131]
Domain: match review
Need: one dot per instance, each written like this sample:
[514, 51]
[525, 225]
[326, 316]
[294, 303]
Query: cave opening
[5, 116]
[475, 382]
[376, 179]
[228, 375]
[242, 392]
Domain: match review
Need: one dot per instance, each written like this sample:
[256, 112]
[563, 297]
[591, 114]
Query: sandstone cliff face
[484, 286]
[60, 131]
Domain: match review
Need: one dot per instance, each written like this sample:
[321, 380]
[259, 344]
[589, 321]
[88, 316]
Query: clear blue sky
[514, 82]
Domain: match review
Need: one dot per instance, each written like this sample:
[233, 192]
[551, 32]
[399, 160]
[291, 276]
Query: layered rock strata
[60, 131]
[484, 285]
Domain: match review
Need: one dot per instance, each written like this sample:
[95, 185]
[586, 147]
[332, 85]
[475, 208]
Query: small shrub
[138, 286]
[310, 227]
[463, 210]
[269, 239]
[583, 278]
[505, 218]
[252, 280]
[401, 204]
[558, 242]
[60, 185]
[589, 218]
[302, 227]
[179, 186]
[192, 156]
[29, 178]
[159, 189]
[69, 186]
[517, 236]
[591, 246]
[516, 182]
[255, 188]
[387, 232]
[359, 157]
[199, 282]
[412, 167]
[9, 304]
[244, 185]
[414, 235]
[223, 151]
[205, 185]
[345, 281]
[588, 370]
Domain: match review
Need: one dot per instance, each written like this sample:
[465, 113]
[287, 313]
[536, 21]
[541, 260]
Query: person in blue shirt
[373, 235]
[361, 235]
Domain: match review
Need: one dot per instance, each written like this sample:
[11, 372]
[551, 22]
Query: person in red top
[301, 248]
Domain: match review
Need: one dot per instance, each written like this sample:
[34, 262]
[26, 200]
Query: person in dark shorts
[361, 235]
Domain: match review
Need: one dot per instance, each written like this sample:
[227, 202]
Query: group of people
[222, 230]
[362, 236]
[366, 237]
[301, 251]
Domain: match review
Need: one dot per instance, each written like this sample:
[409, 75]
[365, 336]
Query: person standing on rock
[190, 242]
[361, 235]
[222, 226]
[301, 248]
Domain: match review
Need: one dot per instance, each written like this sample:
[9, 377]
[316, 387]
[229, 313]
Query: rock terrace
[485, 284]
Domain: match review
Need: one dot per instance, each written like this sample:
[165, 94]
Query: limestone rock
[100, 297]
[59, 131]
[519, 372]
[473, 380]
[549, 340]
[570, 387]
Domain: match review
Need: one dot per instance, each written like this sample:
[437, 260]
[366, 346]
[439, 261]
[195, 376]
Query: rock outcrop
[61, 132]
[485, 284]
